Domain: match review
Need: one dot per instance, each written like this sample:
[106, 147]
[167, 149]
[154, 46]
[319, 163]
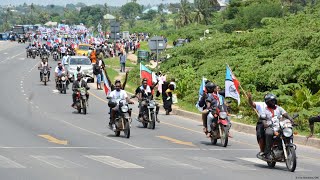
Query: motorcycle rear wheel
[291, 162]
[213, 141]
[271, 164]
[145, 125]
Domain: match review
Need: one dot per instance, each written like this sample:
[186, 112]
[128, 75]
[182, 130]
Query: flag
[202, 86]
[201, 89]
[107, 87]
[146, 73]
[232, 86]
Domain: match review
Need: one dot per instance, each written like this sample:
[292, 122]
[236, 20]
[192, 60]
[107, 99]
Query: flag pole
[245, 93]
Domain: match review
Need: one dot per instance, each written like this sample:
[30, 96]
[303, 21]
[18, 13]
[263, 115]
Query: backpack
[96, 69]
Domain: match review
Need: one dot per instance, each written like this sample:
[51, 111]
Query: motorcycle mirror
[108, 97]
[295, 115]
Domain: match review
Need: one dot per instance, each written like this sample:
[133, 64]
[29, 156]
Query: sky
[87, 2]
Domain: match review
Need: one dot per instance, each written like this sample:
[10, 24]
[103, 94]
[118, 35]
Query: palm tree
[184, 13]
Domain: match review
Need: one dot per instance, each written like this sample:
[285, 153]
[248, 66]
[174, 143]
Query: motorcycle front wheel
[224, 137]
[291, 161]
[127, 130]
[84, 105]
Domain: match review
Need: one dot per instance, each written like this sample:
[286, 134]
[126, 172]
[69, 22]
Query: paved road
[41, 137]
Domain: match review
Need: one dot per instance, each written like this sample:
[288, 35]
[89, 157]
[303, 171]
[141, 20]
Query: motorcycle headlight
[152, 103]
[287, 132]
[124, 109]
[223, 115]
[63, 78]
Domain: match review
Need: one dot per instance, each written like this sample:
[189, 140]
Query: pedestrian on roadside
[123, 59]
[312, 120]
[93, 56]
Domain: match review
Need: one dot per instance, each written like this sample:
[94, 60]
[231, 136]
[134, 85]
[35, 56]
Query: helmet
[270, 97]
[112, 103]
[210, 86]
[78, 68]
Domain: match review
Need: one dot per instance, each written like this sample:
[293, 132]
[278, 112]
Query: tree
[150, 15]
[131, 10]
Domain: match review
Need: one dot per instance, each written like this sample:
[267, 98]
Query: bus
[19, 29]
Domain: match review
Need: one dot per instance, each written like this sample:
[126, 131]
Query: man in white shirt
[268, 110]
[117, 95]
[63, 50]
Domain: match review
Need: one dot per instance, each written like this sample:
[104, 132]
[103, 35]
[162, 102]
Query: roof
[223, 2]
[155, 8]
[51, 23]
[108, 16]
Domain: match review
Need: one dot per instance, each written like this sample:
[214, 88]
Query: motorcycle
[55, 55]
[283, 149]
[123, 119]
[149, 114]
[34, 53]
[45, 75]
[81, 100]
[21, 39]
[62, 84]
[220, 129]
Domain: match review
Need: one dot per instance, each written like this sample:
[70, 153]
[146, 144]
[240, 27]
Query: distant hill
[88, 2]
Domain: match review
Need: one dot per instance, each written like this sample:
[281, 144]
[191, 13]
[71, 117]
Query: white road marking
[55, 91]
[221, 163]
[57, 161]
[7, 163]
[22, 91]
[5, 53]
[259, 161]
[37, 107]
[98, 134]
[114, 162]
[24, 94]
[170, 162]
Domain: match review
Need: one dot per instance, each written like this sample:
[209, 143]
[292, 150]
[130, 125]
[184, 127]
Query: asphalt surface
[42, 137]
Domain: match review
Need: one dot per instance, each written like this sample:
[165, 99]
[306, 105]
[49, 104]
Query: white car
[86, 67]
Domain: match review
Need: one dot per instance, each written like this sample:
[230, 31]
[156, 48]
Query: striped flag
[107, 87]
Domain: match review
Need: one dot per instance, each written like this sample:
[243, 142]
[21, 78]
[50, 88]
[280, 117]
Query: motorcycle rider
[44, 64]
[267, 114]
[59, 70]
[209, 89]
[117, 95]
[213, 100]
[144, 92]
[78, 83]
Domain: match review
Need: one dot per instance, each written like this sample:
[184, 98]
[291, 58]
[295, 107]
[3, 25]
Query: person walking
[123, 59]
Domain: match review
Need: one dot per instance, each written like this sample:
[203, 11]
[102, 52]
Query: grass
[115, 62]
[144, 45]
[112, 74]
